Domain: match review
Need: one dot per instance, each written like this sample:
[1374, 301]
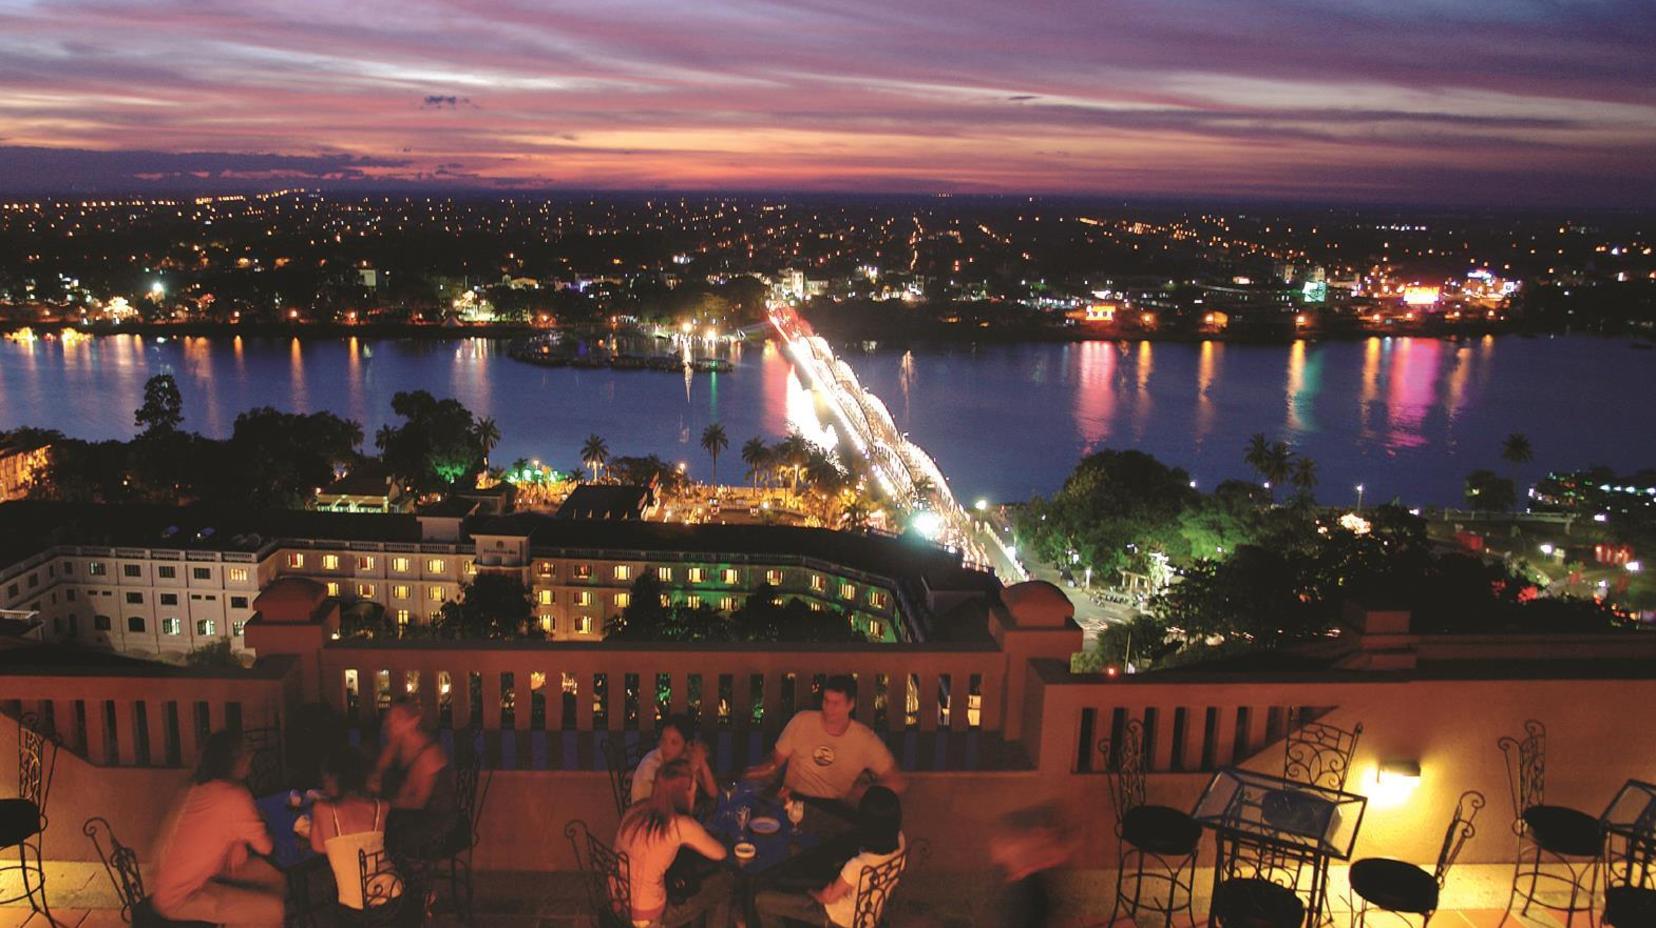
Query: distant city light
[927, 524]
[982, 505]
[1634, 566]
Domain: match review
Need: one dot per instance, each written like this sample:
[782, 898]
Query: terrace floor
[83, 898]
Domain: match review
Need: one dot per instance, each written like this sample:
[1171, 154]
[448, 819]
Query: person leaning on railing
[206, 870]
[825, 754]
[414, 775]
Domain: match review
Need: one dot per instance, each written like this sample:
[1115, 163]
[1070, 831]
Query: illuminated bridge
[907, 476]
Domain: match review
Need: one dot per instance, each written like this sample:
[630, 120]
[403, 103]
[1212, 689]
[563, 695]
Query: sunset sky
[1521, 102]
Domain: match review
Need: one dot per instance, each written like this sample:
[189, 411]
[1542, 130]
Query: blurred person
[678, 739]
[879, 832]
[415, 777]
[651, 835]
[206, 870]
[1027, 847]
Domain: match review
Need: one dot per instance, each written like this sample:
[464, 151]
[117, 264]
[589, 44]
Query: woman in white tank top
[348, 824]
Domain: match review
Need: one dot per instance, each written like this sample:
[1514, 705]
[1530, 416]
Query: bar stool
[1161, 836]
[1402, 888]
[23, 819]
[1568, 839]
[1259, 878]
[1630, 878]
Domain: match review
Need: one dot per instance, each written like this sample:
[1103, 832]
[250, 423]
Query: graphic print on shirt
[823, 755]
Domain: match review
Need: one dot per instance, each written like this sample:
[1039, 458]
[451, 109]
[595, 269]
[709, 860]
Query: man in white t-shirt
[826, 753]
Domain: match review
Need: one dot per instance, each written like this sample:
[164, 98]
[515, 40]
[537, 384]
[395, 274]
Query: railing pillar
[1195, 736]
[126, 728]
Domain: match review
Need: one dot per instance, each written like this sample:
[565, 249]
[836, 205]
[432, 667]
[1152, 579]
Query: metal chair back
[468, 800]
[383, 890]
[1248, 857]
[1459, 832]
[120, 862]
[874, 889]
[1526, 763]
[37, 751]
[622, 760]
[1319, 754]
[608, 880]
[269, 769]
[1124, 770]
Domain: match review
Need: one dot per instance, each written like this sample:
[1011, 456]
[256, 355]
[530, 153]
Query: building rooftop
[605, 503]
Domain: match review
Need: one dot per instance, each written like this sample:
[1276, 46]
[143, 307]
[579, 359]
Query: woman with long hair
[651, 835]
[348, 822]
[206, 870]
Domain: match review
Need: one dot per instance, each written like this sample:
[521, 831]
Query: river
[1405, 417]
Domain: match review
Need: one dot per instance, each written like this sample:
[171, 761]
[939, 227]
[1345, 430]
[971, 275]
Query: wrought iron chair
[1567, 841]
[121, 863]
[385, 897]
[877, 884]
[1630, 882]
[1402, 888]
[608, 882]
[1319, 754]
[264, 746]
[621, 759]
[1258, 883]
[1160, 836]
[23, 819]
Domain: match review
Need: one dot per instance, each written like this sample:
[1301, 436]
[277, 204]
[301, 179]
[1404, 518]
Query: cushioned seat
[1161, 830]
[1255, 903]
[19, 819]
[1394, 885]
[1629, 907]
[1564, 831]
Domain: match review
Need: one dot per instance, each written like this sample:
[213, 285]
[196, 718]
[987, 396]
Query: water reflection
[1304, 379]
[1207, 368]
[1410, 391]
[1372, 349]
[296, 375]
[1143, 406]
[1095, 392]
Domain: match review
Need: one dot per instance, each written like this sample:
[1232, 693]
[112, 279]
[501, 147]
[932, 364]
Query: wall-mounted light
[1394, 781]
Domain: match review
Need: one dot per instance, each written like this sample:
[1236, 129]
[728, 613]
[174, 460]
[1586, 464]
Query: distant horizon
[1532, 103]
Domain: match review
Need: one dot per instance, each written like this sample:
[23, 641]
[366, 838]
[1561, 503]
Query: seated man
[826, 753]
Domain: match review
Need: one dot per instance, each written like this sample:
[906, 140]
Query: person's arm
[768, 770]
[321, 826]
[704, 771]
[249, 825]
[884, 768]
[387, 755]
[696, 838]
[834, 891]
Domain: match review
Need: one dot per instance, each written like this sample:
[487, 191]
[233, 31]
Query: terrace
[981, 728]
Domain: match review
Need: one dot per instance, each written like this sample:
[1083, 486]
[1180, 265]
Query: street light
[1359, 496]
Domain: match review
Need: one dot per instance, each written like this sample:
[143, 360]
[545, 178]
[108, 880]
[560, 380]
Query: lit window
[876, 599]
[666, 600]
[471, 568]
[623, 600]
[583, 598]
[435, 566]
[623, 572]
[695, 575]
[364, 562]
[365, 590]
[402, 618]
[548, 569]
[237, 629]
[693, 601]
[583, 571]
[816, 606]
[664, 574]
[400, 565]
[818, 584]
[436, 594]
[583, 625]
[400, 591]
[296, 561]
[727, 603]
[333, 588]
[238, 574]
[330, 562]
[731, 576]
[172, 627]
[544, 597]
[546, 623]
[96, 568]
[848, 591]
[206, 627]
[876, 628]
[773, 577]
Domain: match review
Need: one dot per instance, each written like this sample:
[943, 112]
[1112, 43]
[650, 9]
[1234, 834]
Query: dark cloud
[43, 170]
[439, 102]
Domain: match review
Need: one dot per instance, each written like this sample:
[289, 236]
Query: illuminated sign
[1315, 291]
[1420, 296]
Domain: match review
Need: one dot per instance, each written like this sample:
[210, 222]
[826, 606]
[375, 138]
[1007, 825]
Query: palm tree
[713, 441]
[757, 456]
[488, 435]
[792, 453]
[1516, 451]
[1305, 476]
[855, 516]
[1272, 460]
[384, 437]
[594, 454]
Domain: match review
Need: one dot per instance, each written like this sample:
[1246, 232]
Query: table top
[290, 849]
[1633, 811]
[1275, 809]
[772, 850]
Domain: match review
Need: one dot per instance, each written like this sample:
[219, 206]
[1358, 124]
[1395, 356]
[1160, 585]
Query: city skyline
[1407, 103]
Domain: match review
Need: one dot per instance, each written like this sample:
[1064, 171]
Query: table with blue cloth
[797, 857]
[310, 881]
